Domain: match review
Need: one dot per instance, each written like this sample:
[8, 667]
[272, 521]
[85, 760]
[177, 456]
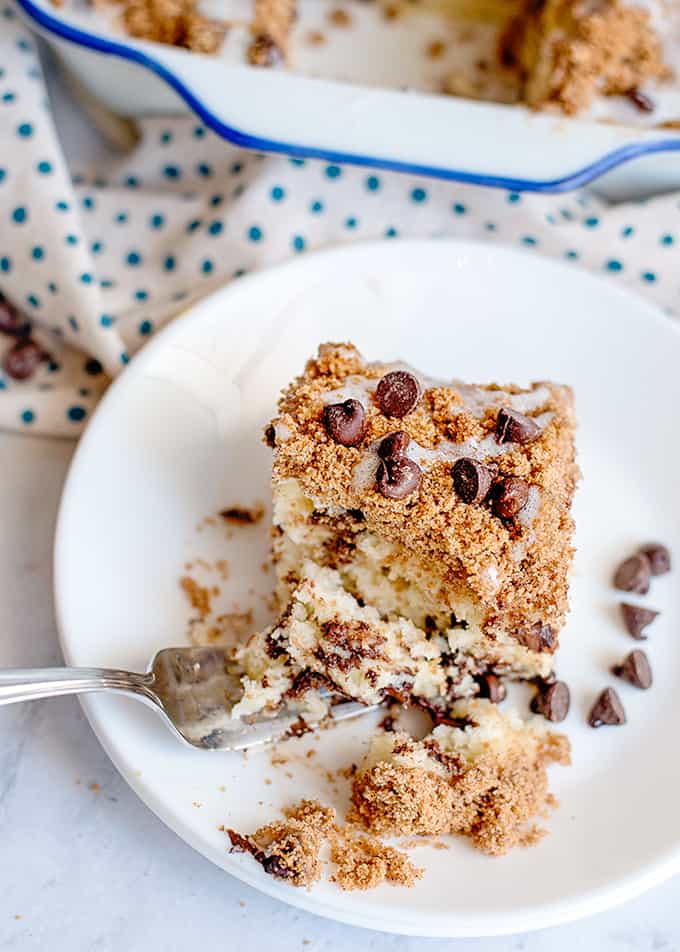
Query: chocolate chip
[552, 701]
[635, 669]
[397, 393]
[270, 436]
[659, 558]
[22, 360]
[636, 618]
[394, 445]
[607, 710]
[397, 478]
[471, 480]
[641, 100]
[275, 867]
[345, 422]
[537, 638]
[513, 427]
[633, 575]
[12, 322]
[491, 687]
[510, 497]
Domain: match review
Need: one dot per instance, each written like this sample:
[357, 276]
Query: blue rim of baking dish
[576, 179]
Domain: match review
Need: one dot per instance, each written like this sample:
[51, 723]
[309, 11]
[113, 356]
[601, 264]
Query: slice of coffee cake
[443, 504]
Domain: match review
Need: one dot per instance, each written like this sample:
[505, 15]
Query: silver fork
[192, 688]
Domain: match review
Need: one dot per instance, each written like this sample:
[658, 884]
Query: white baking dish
[415, 132]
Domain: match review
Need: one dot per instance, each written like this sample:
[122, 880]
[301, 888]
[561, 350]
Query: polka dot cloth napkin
[100, 261]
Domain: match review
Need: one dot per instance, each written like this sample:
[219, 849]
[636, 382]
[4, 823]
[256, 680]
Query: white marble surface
[84, 865]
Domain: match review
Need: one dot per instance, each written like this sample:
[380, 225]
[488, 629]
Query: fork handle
[32, 684]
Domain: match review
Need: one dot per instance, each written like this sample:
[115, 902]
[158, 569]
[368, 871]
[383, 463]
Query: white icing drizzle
[474, 400]
[490, 576]
[527, 515]
[282, 432]
[364, 473]
[355, 387]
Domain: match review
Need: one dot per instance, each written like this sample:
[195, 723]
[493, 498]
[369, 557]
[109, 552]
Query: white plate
[177, 438]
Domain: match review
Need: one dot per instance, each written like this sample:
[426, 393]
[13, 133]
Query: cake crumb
[198, 596]
[222, 567]
[459, 781]
[227, 630]
[94, 787]
[243, 515]
[289, 849]
[364, 863]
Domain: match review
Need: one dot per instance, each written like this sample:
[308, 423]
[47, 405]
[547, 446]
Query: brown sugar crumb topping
[175, 22]
[364, 863]
[290, 850]
[491, 798]
[463, 545]
[270, 29]
[567, 52]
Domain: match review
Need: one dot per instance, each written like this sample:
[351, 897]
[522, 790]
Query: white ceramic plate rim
[523, 919]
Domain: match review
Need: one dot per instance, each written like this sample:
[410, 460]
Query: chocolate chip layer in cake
[327, 639]
[446, 505]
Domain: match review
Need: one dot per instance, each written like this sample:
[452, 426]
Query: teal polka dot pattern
[104, 258]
